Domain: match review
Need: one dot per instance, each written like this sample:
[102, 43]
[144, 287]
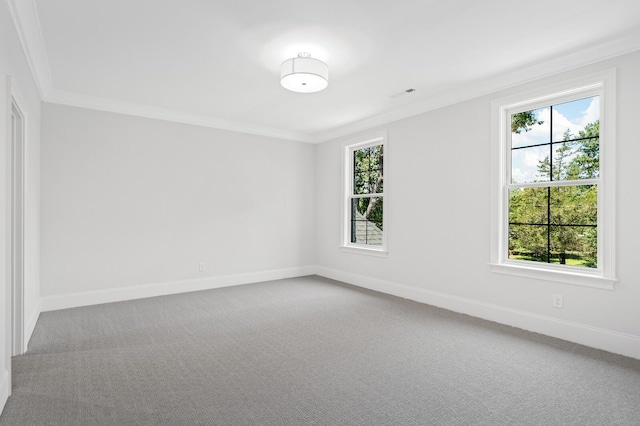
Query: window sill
[567, 277]
[378, 252]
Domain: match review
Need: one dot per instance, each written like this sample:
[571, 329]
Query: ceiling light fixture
[304, 74]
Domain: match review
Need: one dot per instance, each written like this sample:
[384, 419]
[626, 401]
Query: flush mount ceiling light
[304, 74]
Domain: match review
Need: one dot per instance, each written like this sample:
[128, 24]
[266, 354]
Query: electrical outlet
[558, 301]
[203, 266]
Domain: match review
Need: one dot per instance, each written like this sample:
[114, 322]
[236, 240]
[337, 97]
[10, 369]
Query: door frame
[5, 275]
[17, 200]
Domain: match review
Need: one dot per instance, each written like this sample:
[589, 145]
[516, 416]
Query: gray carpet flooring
[307, 351]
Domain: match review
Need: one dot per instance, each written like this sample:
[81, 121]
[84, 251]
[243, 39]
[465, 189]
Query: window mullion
[372, 195]
[555, 183]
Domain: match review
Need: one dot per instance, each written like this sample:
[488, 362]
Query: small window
[554, 192]
[364, 201]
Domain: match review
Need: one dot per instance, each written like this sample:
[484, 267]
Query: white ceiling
[216, 62]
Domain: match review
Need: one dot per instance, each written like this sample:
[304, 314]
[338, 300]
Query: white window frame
[601, 84]
[349, 147]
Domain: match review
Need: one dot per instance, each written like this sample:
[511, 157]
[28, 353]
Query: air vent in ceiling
[403, 93]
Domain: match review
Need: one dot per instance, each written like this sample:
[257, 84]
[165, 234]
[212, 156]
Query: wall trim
[5, 390]
[512, 78]
[30, 325]
[519, 75]
[595, 337]
[96, 297]
[61, 97]
[27, 22]
[28, 27]
[599, 338]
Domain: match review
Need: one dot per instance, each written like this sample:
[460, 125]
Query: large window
[364, 201]
[554, 203]
[553, 189]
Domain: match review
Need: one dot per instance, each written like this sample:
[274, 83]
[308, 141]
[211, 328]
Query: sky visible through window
[571, 116]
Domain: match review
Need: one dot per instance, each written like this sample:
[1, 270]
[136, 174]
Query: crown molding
[27, 23]
[517, 76]
[147, 111]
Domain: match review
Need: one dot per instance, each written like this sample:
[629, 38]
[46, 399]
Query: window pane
[377, 153]
[361, 159]
[576, 119]
[376, 182]
[574, 246]
[574, 205]
[528, 242]
[368, 159]
[367, 170]
[528, 205]
[571, 236]
[564, 166]
[530, 128]
[588, 158]
[367, 182]
[576, 160]
[530, 164]
[361, 183]
[366, 220]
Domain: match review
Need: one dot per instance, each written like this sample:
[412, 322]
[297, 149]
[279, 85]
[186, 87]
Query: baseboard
[74, 300]
[608, 340]
[5, 389]
[31, 324]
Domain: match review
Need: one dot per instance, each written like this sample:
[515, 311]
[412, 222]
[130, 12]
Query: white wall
[437, 200]
[130, 202]
[14, 65]
[130, 206]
